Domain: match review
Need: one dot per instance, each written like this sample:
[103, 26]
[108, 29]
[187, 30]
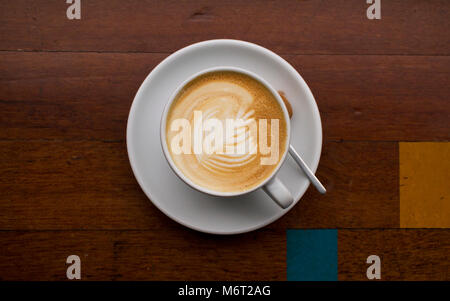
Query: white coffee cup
[272, 185]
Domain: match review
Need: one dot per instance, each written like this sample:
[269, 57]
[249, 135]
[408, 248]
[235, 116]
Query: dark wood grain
[362, 190]
[66, 87]
[297, 27]
[182, 254]
[170, 254]
[88, 95]
[406, 254]
[69, 95]
[89, 185]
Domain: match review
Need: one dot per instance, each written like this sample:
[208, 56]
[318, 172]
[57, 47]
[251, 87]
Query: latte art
[225, 131]
[239, 143]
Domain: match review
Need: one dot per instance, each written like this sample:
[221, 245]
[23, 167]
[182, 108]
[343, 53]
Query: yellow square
[424, 184]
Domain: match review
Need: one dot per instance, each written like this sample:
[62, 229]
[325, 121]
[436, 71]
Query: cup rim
[163, 124]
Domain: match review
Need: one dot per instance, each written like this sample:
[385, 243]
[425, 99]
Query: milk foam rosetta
[240, 104]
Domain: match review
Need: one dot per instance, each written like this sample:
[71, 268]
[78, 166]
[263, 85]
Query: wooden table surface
[66, 87]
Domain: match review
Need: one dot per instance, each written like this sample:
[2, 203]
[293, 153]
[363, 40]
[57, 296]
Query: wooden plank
[89, 185]
[406, 254]
[182, 254]
[69, 95]
[66, 88]
[72, 185]
[296, 27]
[175, 254]
[380, 97]
[362, 189]
[424, 184]
[88, 95]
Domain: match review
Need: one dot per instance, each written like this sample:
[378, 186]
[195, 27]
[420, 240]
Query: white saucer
[185, 205]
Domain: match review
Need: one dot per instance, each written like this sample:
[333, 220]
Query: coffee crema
[224, 96]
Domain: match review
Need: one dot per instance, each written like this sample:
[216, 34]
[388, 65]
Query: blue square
[312, 255]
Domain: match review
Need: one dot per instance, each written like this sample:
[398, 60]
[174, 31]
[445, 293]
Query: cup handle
[278, 192]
